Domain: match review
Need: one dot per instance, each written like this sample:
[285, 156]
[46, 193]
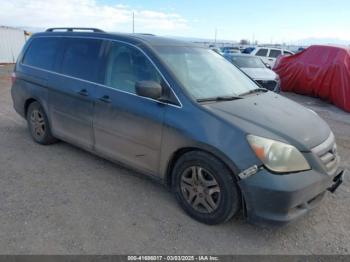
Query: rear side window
[275, 53]
[82, 58]
[261, 52]
[42, 53]
[287, 53]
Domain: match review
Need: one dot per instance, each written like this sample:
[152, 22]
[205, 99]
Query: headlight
[277, 156]
[277, 78]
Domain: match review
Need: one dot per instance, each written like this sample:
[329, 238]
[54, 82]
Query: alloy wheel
[37, 123]
[200, 189]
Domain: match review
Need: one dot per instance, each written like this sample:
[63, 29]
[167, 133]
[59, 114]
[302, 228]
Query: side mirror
[150, 89]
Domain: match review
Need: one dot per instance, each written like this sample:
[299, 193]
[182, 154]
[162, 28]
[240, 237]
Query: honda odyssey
[181, 114]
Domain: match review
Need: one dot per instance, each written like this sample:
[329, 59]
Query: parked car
[217, 50]
[300, 49]
[256, 69]
[269, 54]
[230, 50]
[248, 50]
[181, 114]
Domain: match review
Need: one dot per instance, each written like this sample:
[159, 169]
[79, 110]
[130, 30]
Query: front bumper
[279, 199]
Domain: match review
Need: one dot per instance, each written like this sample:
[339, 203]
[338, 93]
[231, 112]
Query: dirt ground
[62, 200]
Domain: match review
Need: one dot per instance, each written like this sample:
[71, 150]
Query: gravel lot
[61, 200]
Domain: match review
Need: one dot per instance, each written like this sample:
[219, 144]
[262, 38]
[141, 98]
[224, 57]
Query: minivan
[181, 114]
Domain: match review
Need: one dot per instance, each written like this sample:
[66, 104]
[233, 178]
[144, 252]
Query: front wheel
[205, 188]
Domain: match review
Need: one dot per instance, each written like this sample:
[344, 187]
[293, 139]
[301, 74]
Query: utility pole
[133, 22]
[216, 32]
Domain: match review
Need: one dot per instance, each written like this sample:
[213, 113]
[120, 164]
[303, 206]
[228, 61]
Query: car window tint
[82, 58]
[126, 65]
[287, 53]
[261, 52]
[275, 53]
[42, 53]
[247, 62]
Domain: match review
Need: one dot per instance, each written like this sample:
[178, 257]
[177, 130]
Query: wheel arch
[31, 100]
[215, 153]
[27, 104]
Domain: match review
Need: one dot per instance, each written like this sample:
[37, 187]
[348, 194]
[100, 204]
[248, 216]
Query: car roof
[135, 38]
[240, 54]
[272, 47]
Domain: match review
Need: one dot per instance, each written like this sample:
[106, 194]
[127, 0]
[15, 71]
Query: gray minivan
[181, 114]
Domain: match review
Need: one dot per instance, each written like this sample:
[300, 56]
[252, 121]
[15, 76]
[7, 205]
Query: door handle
[83, 92]
[105, 99]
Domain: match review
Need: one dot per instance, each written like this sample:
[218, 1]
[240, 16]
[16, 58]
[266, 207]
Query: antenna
[133, 22]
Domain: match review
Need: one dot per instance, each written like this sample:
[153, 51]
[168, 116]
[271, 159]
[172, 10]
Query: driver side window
[126, 65]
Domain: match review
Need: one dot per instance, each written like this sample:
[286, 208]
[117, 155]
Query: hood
[273, 116]
[260, 73]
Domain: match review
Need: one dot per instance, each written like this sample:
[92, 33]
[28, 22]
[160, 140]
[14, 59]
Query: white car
[256, 69]
[269, 54]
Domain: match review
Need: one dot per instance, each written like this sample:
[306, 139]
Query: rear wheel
[205, 188]
[38, 125]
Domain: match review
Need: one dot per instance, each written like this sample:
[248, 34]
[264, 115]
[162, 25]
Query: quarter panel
[31, 83]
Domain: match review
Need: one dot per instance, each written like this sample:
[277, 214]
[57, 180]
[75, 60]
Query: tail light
[13, 77]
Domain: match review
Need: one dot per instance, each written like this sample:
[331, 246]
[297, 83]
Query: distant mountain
[321, 41]
[198, 39]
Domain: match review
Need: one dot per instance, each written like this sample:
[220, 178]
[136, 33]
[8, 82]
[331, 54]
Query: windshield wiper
[257, 90]
[219, 98]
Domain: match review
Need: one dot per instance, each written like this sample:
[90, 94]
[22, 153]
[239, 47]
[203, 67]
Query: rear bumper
[280, 199]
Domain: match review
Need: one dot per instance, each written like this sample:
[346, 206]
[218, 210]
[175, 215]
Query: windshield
[204, 73]
[247, 62]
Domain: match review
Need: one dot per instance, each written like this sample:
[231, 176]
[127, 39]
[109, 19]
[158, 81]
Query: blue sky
[267, 21]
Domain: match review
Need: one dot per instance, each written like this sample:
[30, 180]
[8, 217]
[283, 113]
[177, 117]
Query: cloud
[88, 13]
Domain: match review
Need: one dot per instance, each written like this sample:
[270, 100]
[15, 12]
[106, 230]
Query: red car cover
[320, 71]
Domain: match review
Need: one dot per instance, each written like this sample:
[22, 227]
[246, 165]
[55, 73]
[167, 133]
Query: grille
[327, 153]
[268, 84]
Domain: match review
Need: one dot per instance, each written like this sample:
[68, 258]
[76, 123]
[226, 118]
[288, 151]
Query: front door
[127, 127]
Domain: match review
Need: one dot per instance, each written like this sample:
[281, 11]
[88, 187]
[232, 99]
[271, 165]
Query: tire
[205, 188]
[38, 125]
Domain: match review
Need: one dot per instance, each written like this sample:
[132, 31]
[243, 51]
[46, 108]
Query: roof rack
[145, 34]
[71, 29]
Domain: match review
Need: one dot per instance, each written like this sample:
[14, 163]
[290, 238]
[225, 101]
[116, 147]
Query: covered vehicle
[319, 71]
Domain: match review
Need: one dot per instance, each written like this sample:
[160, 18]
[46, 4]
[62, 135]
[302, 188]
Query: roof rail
[71, 29]
[145, 34]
